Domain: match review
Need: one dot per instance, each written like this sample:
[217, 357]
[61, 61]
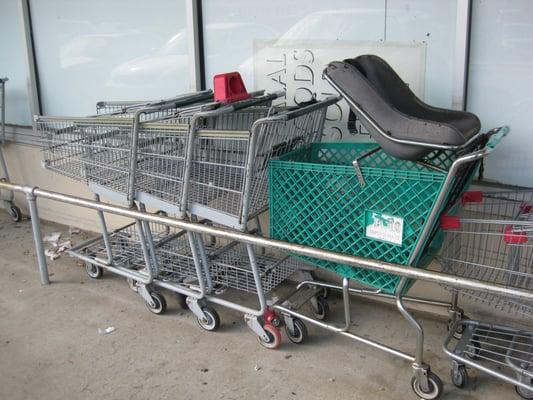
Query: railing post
[37, 237]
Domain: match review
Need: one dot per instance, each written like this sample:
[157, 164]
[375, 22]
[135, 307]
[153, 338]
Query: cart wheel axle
[212, 320]
[524, 393]
[459, 376]
[274, 337]
[160, 304]
[299, 334]
[435, 387]
[93, 270]
[15, 213]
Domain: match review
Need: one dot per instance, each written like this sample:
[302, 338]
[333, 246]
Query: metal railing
[32, 193]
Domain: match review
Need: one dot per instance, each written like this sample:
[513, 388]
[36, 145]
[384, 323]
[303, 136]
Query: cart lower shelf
[500, 351]
[229, 264]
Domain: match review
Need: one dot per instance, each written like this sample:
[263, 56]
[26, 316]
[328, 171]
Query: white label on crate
[384, 227]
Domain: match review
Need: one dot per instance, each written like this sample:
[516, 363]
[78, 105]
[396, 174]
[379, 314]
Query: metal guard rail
[376, 265]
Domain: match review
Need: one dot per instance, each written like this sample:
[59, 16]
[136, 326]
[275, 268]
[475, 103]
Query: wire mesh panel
[125, 245]
[232, 268]
[229, 266]
[219, 161]
[316, 199]
[494, 243]
[160, 163]
[99, 150]
[229, 168]
[87, 148]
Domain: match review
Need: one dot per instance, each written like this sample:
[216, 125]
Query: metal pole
[3, 104]
[37, 237]
[342, 332]
[419, 353]
[224, 233]
[105, 233]
[29, 54]
[194, 27]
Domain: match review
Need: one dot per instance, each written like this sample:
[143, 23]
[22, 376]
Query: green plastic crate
[316, 200]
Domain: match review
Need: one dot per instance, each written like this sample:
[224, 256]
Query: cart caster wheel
[182, 301]
[274, 337]
[322, 310]
[160, 303]
[93, 270]
[524, 393]
[459, 376]
[212, 322]
[435, 387]
[300, 334]
[132, 284]
[15, 213]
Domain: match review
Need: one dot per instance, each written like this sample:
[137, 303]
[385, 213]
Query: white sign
[384, 227]
[296, 67]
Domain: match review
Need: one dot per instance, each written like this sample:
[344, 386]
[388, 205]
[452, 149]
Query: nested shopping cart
[9, 205]
[207, 160]
[377, 200]
[225, 182]
[492, 241]
[101, 151]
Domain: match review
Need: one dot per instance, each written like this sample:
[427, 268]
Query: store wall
[500, 83]
[13, 64]
[84, 55]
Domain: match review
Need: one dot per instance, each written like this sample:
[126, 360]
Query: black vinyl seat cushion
[371, 83]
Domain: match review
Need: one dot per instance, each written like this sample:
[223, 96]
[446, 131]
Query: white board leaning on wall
[296, 66]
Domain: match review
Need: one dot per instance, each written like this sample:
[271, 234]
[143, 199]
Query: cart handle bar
[288, 115]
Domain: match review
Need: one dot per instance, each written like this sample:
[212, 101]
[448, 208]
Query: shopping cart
[226, 183]
[381, 201]
[491, 241]
[96, 150]
[100, 151]
[196, 162]
[9, 205]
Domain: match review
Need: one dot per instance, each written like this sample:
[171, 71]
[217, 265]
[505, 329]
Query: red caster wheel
[274, 337]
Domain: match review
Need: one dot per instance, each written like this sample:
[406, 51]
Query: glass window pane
[95, 50]
[229, 36]
[285, 45]
[500, 83]
[13, 64]
[432, 23]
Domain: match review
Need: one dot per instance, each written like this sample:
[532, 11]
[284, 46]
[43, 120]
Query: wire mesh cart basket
[9, 205]
[101, 151]
[491, 241]
[196, 159]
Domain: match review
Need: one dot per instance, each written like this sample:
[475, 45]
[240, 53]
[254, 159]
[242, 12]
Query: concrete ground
[50, 347]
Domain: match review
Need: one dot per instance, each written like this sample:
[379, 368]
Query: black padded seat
[383, 102]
